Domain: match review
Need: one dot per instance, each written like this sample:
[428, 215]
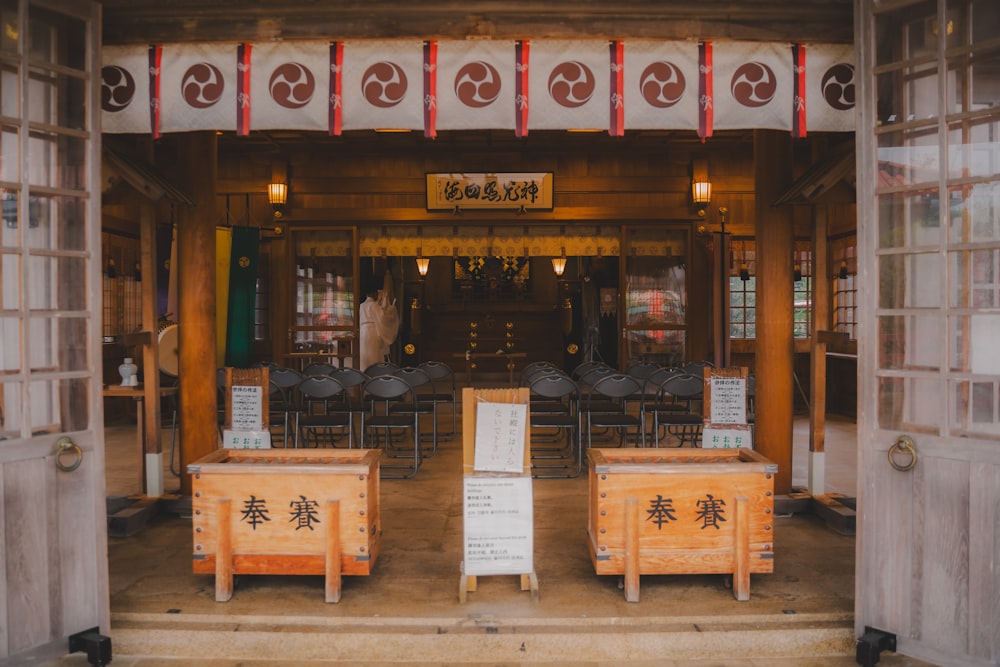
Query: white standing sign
[500, 433]
[499, 527]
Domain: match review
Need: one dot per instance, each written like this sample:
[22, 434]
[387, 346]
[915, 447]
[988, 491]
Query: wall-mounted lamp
[277, 189]
[701, 187]
[423, 264]
[842, 274]
[277, 194]
[559, 265]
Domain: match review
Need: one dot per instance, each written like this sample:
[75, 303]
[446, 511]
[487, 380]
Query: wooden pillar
[775, 341]
[153, 454]
[196, 164]
[821, 285]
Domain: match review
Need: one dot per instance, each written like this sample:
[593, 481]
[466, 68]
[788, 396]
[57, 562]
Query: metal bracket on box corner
[94, 644]
[871, 644]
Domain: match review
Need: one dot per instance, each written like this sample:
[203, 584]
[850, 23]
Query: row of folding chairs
[646, 405]
[380, 407]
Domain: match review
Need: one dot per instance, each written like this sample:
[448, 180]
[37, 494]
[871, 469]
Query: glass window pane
[57, 223]
[10, 87]
[56, 38]
[59, 405]
[10, 411]
[975, 408]
[655, 291]
[57, 283]
[10, 345]
[910, 342]
[58, 344]
[975, 212]
[910, 281]
[972, 148]
[908, 157]
[911, 404]
[57, 161]
[10, 282]
[57, 99]
[661, 346]
[975, 278]
[985, 19]
[908, 219]
[10, 156]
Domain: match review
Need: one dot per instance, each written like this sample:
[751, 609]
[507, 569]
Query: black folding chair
[674, 412]
[283, 401]
[423, 395]
[384, 425]
[325, 417]
[607, 406]
[444, 388]
[555, 415]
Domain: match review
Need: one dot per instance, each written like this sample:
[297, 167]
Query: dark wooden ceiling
[160, 21]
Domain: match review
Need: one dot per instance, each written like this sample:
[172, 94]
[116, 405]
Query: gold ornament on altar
[244, 262]
[410, 348]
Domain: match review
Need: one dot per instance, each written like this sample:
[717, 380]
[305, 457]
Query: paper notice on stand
[247, 407]
[499, 526]
[500, 435]
[729, 400]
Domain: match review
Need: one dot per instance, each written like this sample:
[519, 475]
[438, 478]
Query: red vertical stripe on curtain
[617, 125]
[799, 110]
[155, 60]
[336, 88]
[706, 97]
[521, 50]
[243, 53]
[430, 89]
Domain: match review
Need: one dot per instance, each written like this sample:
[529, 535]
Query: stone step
[475, 639]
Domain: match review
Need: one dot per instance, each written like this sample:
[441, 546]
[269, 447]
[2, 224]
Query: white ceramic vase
[128, 372]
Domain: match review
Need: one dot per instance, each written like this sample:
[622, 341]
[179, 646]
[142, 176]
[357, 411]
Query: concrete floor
[408, 609]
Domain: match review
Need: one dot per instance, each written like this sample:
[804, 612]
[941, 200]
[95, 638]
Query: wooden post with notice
[496, 460]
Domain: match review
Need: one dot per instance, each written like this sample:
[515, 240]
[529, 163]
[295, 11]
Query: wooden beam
[148, 21]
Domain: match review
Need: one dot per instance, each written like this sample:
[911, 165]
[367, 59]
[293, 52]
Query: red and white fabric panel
[753, 85]
[569, 85]
[476, 85]
[661, 85]
[125, 89]
[290, 86]
[198, 87]
[382, 85]
[830, 87]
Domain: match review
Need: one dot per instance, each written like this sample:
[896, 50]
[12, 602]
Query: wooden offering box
[683, 512]
[275, 511]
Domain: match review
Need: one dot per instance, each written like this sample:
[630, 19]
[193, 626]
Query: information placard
[499, 527]
[500, 429]
[247, 407]
[729, 400]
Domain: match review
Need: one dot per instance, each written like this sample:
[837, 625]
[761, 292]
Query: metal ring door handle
[64, 446]
[903, 446]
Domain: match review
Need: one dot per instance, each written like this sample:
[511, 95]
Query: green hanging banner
[244, 259]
